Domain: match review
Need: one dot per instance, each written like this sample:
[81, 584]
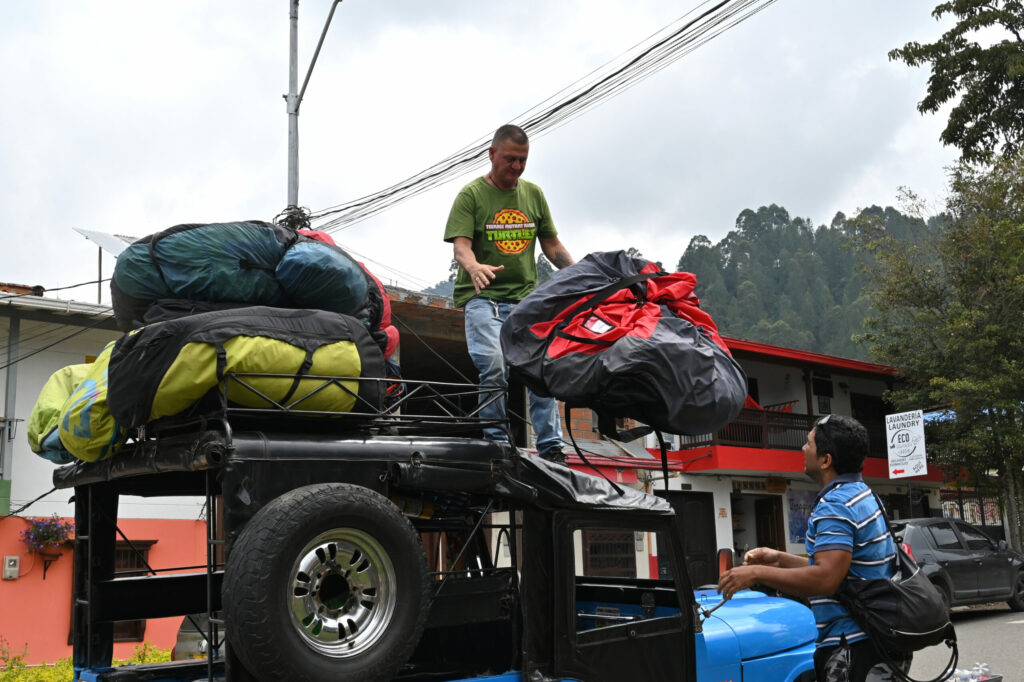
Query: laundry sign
[904, 437]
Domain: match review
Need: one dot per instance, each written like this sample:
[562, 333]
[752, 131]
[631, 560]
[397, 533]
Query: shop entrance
[757, 522]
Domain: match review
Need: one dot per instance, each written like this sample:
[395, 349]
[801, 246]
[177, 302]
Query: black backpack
[902, 614]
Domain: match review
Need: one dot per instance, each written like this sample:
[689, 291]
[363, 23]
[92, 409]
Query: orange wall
[37, 613]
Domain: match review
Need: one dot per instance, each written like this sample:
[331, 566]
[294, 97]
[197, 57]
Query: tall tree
[778, 279]
[950, 318]
[705, 261]
[989, 81]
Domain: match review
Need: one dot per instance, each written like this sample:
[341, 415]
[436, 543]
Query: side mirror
[726, 560]
[1003, 545]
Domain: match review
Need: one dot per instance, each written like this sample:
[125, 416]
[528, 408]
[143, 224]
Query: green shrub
[146, 653]
[14, 669]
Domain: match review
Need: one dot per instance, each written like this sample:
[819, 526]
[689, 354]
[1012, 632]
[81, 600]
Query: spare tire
[326, 582]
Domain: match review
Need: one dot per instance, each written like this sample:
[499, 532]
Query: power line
[383, 266]
[640, 62]
[59, 341]
[42, 332]
[27, 504]
[48, 331]
[48, 290]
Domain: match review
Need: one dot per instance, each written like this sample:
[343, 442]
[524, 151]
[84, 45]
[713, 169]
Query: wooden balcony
[767, 429]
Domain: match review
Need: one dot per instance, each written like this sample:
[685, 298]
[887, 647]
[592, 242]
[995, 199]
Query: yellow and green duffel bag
[43, 422]
[164, 369]
[87, 429]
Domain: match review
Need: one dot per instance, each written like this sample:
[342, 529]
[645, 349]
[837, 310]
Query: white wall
[779, 384]
[721, 489]
[30, 474]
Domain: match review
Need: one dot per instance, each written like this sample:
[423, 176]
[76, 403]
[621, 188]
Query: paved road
[989, 633]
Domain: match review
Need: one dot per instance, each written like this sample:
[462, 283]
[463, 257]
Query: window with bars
[608, 552]
[976, 507]
[131, 562]
[127, 563]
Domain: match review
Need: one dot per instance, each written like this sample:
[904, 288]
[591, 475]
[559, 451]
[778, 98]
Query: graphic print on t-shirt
[511, 231]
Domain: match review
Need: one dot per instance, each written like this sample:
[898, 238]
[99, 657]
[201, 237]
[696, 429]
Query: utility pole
[292, 100]
[293, 215]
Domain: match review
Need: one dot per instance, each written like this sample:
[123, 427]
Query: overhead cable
[640, 62]
[59, 341]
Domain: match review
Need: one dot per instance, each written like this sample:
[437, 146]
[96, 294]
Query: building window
[127, 563]
[824, 405]
[752, 389]
[609, 553]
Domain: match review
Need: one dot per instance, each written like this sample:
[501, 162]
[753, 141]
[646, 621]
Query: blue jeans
[484, 318]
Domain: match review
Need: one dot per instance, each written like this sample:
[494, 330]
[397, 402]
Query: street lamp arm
[294, 100]
[316, 53]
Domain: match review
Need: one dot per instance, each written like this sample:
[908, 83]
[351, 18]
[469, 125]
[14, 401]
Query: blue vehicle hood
[761, 625]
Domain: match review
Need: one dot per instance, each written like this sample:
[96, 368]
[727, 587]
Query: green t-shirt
[503, 225]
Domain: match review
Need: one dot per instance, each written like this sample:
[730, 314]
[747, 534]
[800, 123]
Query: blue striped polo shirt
[845, 516]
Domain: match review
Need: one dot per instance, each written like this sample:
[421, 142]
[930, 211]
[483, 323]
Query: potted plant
[46, 534]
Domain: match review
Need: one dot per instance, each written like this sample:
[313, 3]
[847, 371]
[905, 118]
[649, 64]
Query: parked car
[194, 637]
[967, 566]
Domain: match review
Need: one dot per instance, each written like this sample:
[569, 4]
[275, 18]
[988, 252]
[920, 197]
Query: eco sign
[904, 436]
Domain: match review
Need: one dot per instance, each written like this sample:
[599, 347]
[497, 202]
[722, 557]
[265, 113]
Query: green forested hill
[780, 280]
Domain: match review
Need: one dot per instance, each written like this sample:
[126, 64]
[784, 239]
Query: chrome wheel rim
[343, 592]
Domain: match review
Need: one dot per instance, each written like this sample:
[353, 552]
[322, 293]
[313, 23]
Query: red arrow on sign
[898, 471]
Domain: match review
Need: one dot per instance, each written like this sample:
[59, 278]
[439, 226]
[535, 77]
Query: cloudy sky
[130, 117]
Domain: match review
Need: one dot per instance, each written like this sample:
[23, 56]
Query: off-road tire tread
[248, 589]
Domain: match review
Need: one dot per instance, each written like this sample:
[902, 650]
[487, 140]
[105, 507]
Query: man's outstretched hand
[482, 274]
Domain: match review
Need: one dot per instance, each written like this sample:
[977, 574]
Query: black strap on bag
[596, 299]
[902, 614]
[664, 456]
[579, 453]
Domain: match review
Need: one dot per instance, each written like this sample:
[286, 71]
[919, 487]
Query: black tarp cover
[177, 361]
[616, 334]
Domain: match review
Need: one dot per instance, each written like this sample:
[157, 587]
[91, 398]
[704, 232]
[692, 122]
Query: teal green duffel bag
[164, 369]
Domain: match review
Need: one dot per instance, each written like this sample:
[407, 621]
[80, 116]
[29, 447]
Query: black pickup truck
[398, 546]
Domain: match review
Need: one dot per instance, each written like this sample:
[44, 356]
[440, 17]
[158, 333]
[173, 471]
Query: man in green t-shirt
[494, 225]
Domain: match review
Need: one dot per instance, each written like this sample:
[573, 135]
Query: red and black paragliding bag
[620, 336]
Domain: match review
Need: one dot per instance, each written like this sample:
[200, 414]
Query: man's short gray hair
[509, 133]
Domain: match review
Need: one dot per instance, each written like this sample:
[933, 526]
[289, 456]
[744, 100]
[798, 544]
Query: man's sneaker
[554, 454]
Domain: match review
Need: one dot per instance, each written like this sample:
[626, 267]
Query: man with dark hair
[494, 225]
[847, 539]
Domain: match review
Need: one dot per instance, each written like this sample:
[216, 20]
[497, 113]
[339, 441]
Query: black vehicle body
[967, 565]
[478, 617]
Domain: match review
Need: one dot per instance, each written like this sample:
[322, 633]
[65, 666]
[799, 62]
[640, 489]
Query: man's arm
[766, 556]
[556, 252]
[481, 274]
[791, 574]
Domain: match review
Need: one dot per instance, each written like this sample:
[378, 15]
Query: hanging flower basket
[45, 534]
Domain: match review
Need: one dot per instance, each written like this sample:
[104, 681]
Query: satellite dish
[113, 244]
